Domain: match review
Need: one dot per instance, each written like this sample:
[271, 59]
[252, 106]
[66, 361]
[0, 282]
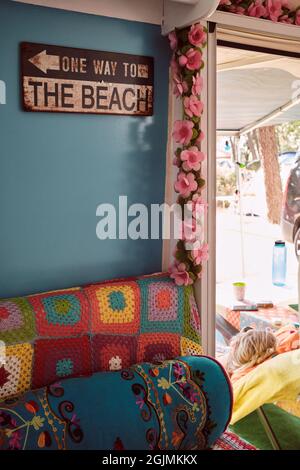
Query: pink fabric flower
[274, 9]
[236, 9]
[176, 161]
[200, 138]
[200, 254]
[297, 18]
[197, 36]
[185, 184]
[192, 59]
[189, 230]
[192, 158]
[180, 275]
[173, 40]
[198, 205]
[256, 9]
[183, 131]
[286, 19]
[180, 86]
[174, 66]
[197, 84]
[193, 106]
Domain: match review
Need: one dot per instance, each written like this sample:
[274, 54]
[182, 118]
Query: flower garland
[187, 62]
[274, 10]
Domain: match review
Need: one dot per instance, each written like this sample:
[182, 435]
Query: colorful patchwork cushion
[115, 307]
[61, 313]
[17, 320]
[15, 370]
[172, 405]
[100, 327]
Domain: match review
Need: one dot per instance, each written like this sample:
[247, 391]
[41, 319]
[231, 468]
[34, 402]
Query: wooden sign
[63, 79]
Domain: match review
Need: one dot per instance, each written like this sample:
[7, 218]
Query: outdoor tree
[269, 154]
[288, 136]
[253, 145]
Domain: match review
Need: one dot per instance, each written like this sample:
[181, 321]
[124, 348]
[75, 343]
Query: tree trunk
[251, 145]
[269, 151]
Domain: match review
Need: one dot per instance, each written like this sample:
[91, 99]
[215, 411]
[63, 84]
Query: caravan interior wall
[56, 168]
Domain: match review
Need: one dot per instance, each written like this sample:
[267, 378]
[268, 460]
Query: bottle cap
[280, 242]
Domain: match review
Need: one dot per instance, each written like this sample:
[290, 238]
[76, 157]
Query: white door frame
[205, 289]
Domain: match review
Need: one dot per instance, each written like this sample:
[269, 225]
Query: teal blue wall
[56, 168]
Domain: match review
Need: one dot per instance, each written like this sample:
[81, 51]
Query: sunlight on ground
[259, 238]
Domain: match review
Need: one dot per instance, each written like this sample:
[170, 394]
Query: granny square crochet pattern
[61, 313]
[155, 347]
[15, 370]
[56, 359]
[162, 305]
[113, 352]
[116, 307]
[190, 348]
[99, 327]
[192, 323]
[16, 320]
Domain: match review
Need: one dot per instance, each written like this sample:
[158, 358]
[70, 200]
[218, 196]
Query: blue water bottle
[279, 263]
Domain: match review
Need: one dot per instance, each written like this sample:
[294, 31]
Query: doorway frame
[287, 39]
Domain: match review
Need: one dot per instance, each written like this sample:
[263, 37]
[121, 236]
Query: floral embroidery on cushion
[118, 444]
[42, 421]
[178, 402]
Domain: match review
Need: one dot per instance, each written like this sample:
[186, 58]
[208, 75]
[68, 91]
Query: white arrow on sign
[45, 62]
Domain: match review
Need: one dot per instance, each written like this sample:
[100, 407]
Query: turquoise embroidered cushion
[179, 404]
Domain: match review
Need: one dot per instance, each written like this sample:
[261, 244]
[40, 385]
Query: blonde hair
[250, 348]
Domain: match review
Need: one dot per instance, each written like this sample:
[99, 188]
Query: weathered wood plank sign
[63, 79]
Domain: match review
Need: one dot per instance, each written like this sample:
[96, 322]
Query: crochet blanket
[103, 326]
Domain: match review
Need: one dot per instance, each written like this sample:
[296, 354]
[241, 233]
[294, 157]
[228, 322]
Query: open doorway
[258, 182]
[257, 208]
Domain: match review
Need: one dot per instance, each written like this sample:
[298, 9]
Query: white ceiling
[230, 59]
[252, 85]
[147, 11]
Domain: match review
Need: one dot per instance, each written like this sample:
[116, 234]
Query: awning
[255, 89]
